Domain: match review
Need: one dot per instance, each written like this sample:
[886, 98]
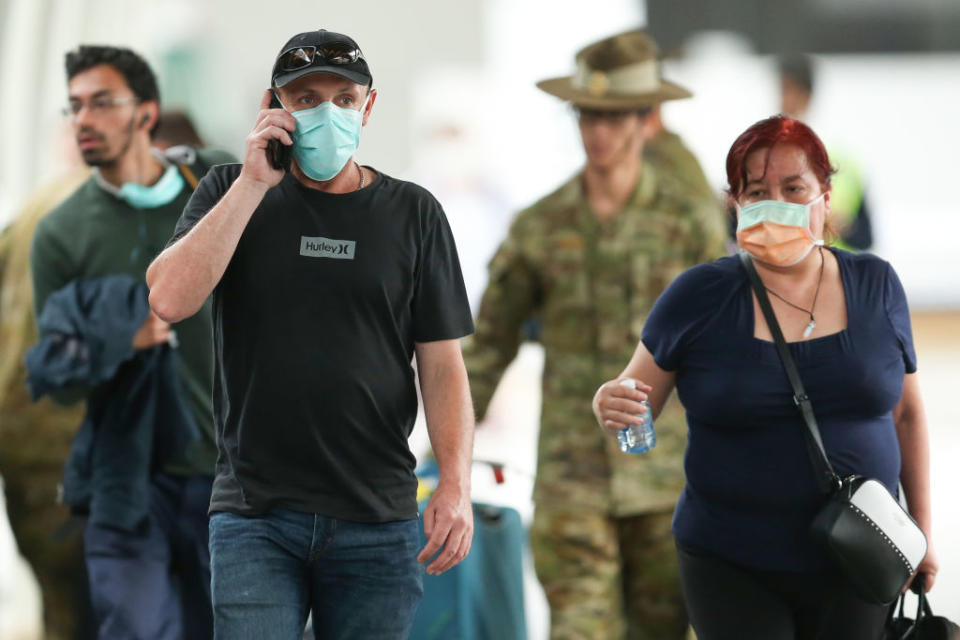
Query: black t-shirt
[315, 321]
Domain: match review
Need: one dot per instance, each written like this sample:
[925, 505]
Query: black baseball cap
[320, 51]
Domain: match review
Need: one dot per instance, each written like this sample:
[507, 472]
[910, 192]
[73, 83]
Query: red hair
[768, 133]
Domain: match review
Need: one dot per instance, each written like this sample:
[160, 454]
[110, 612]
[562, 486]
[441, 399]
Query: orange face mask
[777, 232]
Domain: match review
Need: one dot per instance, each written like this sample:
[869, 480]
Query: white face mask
[776, 232]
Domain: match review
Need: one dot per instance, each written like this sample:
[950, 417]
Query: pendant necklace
[363, 178]
[813, 323]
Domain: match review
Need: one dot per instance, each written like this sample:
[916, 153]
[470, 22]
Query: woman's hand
[615, 405]
[928, 567]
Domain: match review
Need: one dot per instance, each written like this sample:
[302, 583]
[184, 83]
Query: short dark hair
[132, 67]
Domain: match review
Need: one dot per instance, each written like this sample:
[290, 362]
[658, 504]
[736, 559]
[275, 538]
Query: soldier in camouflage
[588, 261]
[666, 151]
[35, 437]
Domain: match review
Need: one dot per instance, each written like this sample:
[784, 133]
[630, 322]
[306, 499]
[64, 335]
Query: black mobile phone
[278, 154]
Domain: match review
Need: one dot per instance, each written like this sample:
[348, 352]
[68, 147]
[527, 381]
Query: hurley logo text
[327, 248]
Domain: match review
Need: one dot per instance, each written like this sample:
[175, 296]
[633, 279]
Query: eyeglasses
[333, 53]
[608, 115]
[97, 105]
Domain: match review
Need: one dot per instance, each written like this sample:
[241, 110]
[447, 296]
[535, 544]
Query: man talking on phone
[327, 278]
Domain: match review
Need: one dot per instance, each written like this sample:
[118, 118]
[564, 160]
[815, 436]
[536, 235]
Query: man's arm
[185, 274]
[448, 517]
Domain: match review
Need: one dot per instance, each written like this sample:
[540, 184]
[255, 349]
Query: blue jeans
[154, 583]
[269, 571]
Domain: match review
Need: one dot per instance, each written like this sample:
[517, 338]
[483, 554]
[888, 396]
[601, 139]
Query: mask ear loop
[817, 242]
[366, 101]
[815, 200]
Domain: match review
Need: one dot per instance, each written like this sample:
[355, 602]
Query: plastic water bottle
[639, 437]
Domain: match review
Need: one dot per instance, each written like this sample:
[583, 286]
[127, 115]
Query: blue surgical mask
[166, 189]
[326, 137]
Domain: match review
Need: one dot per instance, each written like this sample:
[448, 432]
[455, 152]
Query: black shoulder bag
[870, 538]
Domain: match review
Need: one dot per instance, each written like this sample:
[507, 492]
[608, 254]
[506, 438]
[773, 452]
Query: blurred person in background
[35, 437]
[146, 552]
[749, 566]
[588, 260]
[667, 153]
[449, 166]
[850, 210]
[327, 278]
[21, 605]
[174, 129]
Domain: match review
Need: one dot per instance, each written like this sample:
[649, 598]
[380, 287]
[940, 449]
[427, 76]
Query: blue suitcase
[482, 597]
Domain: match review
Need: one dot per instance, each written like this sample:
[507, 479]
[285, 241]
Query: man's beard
[97, 156]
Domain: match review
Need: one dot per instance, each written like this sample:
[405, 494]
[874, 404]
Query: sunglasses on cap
[333, 53]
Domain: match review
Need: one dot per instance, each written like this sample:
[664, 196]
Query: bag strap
[923, 605]
[827, 478]
[896, 621]
[189, 176]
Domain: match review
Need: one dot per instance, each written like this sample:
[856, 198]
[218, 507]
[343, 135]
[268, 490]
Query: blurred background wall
[888, 86]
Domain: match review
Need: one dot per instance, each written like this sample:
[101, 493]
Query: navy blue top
[751, 494]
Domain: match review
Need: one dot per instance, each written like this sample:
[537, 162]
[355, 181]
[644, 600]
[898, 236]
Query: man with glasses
[146, 553]
[327, 276]
[587, 262]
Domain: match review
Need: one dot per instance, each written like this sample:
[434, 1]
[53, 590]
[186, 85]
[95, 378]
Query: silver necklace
[813, 323]
[363, 178]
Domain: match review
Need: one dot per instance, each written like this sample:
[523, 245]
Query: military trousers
[609, 577]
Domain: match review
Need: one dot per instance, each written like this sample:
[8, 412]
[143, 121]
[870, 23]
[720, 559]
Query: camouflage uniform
[35, 437]
[669, 155]
[601, 532]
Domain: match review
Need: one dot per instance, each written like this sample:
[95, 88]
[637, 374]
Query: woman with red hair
[749, 567]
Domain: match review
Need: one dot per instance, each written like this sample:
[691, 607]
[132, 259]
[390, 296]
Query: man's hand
[448, 524]
[272, 124]
[152, 332]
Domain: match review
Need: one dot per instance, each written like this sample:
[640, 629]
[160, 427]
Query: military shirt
[668, 154]
[591, 285]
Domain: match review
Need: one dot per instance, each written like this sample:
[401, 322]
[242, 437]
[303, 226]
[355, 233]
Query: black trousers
[726, 601]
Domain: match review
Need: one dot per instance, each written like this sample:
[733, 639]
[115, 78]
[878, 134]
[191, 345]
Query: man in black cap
[327, 278]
